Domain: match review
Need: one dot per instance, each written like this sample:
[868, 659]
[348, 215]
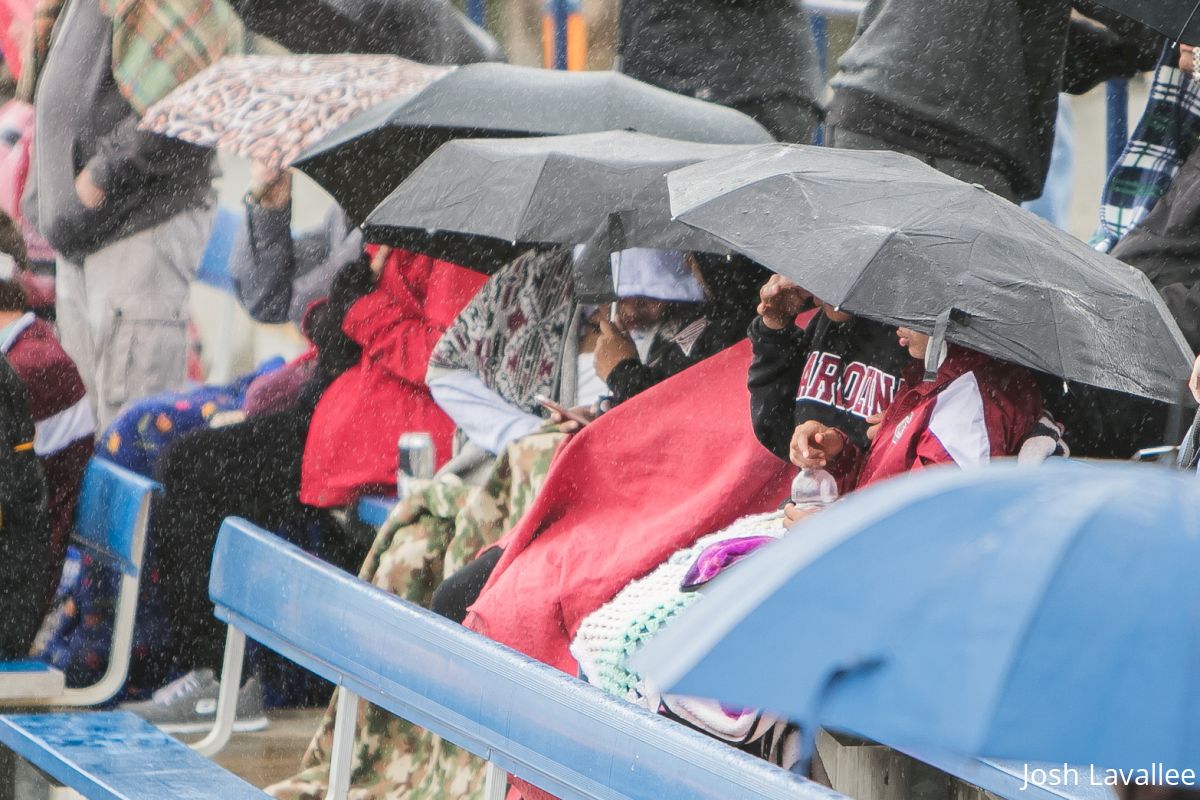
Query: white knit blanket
[615, 631]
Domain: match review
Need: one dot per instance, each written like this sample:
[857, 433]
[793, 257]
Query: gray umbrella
[368, 157]
[480, 202]
[887, 237]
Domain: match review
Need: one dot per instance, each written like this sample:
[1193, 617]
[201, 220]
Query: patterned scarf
[157, 44]
[1165, 137]
[513, 333]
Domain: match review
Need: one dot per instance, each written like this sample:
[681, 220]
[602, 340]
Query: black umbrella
[1175, 18]
[887, 237]
[368, 157]
[480, 202]
[429, 31]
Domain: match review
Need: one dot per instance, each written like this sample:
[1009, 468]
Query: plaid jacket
[1167, 134]
[157, 44]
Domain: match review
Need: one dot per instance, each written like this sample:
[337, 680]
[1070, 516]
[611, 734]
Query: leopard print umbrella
[270, 108]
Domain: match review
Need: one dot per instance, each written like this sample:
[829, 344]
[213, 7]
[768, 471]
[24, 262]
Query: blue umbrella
[1048, 614]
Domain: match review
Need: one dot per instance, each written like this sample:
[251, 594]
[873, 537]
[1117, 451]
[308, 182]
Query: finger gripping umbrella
[887, 237]
[364, 160]
[1060, 624]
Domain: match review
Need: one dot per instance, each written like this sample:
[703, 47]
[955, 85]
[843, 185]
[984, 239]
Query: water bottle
[813, 489]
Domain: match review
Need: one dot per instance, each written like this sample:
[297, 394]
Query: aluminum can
[416, 460]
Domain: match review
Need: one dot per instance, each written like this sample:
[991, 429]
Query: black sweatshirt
[835, 373]
[24, 522]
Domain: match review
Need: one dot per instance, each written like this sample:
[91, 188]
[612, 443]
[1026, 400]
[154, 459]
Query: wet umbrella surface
[1178, 19]
[364, 160]
[884, 236]
[486, 200]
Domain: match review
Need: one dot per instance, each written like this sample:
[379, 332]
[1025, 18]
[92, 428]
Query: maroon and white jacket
[976, 409]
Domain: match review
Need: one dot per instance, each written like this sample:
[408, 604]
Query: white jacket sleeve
[488, 420]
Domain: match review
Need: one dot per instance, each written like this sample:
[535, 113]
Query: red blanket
[663, 469]
[351, 446]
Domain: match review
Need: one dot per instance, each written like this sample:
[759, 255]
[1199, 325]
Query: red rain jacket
[351, 445]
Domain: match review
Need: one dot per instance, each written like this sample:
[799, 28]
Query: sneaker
[189, 705]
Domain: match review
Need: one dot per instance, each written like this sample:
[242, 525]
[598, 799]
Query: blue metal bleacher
[374, 511]
[546, 727]
[111, 523]
[118, 756]
[525, 717]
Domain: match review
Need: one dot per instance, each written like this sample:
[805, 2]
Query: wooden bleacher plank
[118, 756]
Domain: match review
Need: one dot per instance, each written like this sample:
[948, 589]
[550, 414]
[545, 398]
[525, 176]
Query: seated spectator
[24, 521]
[77, 637]
[668, 319]
[63, 417]
[512, 344]
[837, 370]
[975, 409]
[278, 275]
[293, 471]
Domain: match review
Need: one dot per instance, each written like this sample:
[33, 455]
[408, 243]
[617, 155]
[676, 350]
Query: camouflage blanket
[432, 534]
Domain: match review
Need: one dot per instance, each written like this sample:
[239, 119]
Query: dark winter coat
[978, 80]
[24, 521]
[724, 51]
[837, 374]
[1165, 245]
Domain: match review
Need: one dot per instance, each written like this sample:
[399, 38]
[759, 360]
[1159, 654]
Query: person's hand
[612, 347]
[792, 514]
[567, 425]
[270, 187]
[780, 300]
[1194, 381]
[1187, 58]
[380, 259]
[91, 195]
[873, 422]
[814, 445]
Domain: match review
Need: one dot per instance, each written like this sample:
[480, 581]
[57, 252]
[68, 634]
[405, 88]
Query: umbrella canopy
[271, 108]
[430, 31]
[1179, 19]
[368, 157]
[1058, 625]
[887, 237]
[485, 200]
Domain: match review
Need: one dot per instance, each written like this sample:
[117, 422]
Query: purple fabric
[718, 557]
[277, 390]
